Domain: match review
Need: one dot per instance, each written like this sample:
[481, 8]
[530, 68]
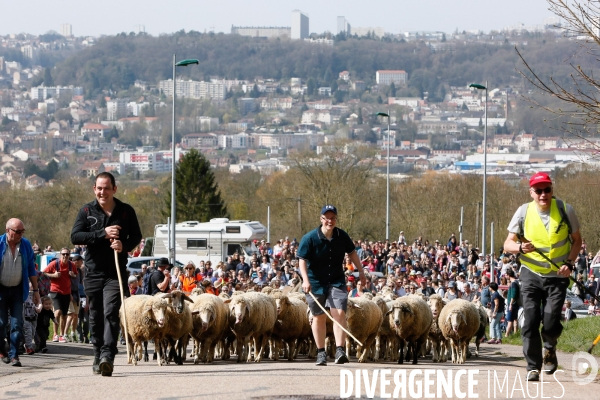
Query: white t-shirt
[513, 226]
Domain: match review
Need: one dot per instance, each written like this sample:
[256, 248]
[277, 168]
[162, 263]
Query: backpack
[43, 284]
[29, 310]
[564, 218]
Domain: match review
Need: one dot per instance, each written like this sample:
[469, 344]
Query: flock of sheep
[278, 323]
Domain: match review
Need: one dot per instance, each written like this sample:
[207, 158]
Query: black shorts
[334, 298]
[61, 302]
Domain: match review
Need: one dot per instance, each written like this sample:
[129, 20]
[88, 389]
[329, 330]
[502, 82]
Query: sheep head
[281, 300]
[207, 316]
[400, 312]
[157, 309]
[456, 319]
[240, 309]
[435, 305]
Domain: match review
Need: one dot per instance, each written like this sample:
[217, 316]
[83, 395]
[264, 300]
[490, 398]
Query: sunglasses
[545, 190]
[18, 231]
[64, 254]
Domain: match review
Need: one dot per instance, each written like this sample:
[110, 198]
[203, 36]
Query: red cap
[351, 278]
[540, 177]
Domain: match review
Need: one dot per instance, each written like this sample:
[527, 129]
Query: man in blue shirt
[321, 253]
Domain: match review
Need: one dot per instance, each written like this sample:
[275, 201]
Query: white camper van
[214, 240]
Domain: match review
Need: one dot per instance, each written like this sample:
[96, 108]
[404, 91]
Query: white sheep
[252, 317]
[386, 334]
[210, 321]
[364, 319]
[146, 319]
[439, 344]
[291, 325]
[459, 321]
[411, 318]
[180, 325]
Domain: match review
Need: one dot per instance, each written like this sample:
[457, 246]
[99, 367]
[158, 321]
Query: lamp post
[182, 63]
[387, 194]
[481, 87]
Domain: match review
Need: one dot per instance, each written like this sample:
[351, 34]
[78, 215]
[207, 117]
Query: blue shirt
[28, 260]
[325, 258]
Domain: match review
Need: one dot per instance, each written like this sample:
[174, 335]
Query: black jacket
[89, 230]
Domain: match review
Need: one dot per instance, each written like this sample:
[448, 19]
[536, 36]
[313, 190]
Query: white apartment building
[116, 109]
[300, 27]
[237, 141]
[199, 141]
[66, 30]
[135, 109]
[41, 93]
[387, 77]
[194, 89]
[145, 161]
[343, 26]
[262, 31]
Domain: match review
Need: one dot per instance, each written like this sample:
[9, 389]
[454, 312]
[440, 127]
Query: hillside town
[256, 124]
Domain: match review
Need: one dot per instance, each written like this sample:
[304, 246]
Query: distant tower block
[66, 30]
[140, 29]
[299, 25]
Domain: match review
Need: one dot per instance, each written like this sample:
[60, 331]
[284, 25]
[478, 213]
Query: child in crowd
[45, 314]
[29, 323]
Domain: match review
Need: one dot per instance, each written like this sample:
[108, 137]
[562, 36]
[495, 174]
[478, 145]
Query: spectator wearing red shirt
[60, 292]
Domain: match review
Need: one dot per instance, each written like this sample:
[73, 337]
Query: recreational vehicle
[214, 240]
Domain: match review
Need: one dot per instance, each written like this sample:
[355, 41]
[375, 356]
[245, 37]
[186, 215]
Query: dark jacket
[89, 230]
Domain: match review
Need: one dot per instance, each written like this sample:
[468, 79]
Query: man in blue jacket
[17, 265]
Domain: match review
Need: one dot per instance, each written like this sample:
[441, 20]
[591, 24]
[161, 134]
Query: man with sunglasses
[549, 226]
[59, 271]
[321, 253]
[105, 225]
[17, 269]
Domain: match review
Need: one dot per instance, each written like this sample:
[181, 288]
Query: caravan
[214, 240]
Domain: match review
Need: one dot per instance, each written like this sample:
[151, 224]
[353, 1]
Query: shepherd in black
[104, 225]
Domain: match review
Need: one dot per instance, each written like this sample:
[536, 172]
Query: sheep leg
[401, 352]
[292, 346]
[377, 348]
[262, 341]
[146, 358]
[211, 350]
[239, 348]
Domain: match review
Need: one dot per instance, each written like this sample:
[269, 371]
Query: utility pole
[300, 214]
[477, 227]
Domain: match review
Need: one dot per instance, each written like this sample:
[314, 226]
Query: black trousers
[42, 333]
[83, 323]
[542, 299]
[105, 300]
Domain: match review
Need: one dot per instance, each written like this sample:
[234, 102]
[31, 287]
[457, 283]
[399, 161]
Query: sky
[109, 17]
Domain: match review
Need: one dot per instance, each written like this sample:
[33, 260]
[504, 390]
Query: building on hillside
[237, 141]
[194, 89]
[92, 168]
[116, 109]
[387, 77]
[66, 30]
[343, 26]
[41, 93]
[276, 103]
[95, 130]
[300, 25]
[199, 141]
[146, 161]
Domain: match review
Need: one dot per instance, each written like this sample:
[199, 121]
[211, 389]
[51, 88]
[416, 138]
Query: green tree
[48, 81]
[310, 86]
[198, 197]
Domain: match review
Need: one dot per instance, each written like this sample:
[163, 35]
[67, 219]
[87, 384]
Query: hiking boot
[533, 376]
[550, 361]
[341, 357]
[15, 362]
[321, 358]
[106, 366]
[96, 366]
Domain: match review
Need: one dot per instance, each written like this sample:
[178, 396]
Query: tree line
[427, 206]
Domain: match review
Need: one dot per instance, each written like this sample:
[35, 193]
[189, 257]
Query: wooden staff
[126, 333]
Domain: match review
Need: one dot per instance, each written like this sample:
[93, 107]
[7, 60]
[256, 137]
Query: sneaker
[499, 341]
[29, 351]
[492, 341]
[62, 339]
[55, 338]
[533, 376]
[550, 361]
[4, 358]
[321, 358]
[341, 357]
[15, 362]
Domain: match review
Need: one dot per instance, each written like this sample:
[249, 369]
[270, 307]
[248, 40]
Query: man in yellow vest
[550, 226]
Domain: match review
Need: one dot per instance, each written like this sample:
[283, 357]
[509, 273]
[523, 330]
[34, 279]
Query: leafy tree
[311, 86]
[198, 196]
[48, 81]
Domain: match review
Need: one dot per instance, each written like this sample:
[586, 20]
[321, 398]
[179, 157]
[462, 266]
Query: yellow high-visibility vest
[555, 245]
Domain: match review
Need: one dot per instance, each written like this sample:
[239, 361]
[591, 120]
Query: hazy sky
[167, 16]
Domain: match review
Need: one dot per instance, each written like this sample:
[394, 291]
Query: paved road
[66, 371]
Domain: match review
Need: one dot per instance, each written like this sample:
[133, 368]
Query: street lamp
[481, 87]
[387, 195]
[182, 63]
